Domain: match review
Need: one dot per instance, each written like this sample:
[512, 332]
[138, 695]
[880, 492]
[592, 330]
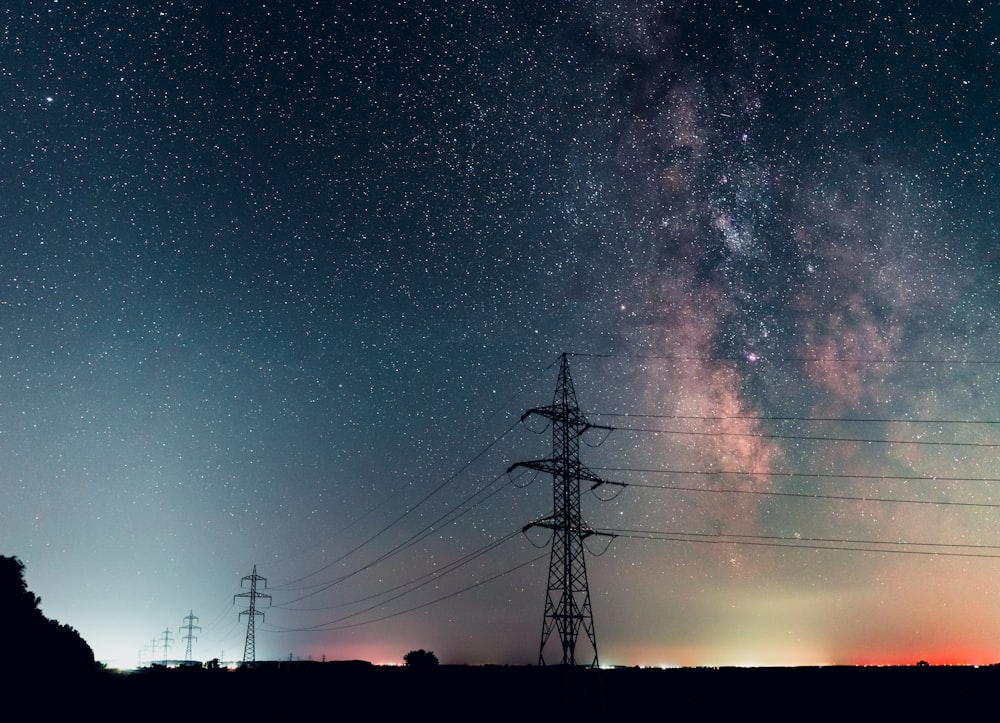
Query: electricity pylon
[166, 644]
[567, 598]
[249, 651]
[190, 627]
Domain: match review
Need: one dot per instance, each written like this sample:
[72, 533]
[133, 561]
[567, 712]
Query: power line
[402, 487]
[816, 496]
[400, 591]
[818, 475]
[760, 359]
[809, 543]
[760, 418]
[807, 495]
[416, 537]
[799, 437]
[395, 521]
[456, 593]
[412, 585]
[437, 524]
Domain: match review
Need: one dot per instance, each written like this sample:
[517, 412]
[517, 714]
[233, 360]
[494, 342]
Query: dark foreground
[361, 691]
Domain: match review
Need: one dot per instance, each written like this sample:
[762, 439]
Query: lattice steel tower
[567, 599]
[190, 627]
[249, 652]
[166, 645]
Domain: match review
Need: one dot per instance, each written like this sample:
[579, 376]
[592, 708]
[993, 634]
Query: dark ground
[355, 691]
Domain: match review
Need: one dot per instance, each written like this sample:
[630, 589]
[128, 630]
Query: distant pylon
[567, 598]
[249, 651]
[190, 627]
[166, 644]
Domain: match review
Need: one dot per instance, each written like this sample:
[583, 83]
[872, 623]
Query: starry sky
[279, 279]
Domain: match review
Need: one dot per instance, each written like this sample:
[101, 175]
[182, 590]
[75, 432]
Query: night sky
[278, 280]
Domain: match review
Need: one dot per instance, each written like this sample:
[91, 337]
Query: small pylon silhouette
[190, 627]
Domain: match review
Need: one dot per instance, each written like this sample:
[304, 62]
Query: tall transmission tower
[190, 627]
[166, 644]
[249, 653]
[567, 598]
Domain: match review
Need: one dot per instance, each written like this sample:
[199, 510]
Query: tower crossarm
[552, 466]
[540, 465]
[550, 523]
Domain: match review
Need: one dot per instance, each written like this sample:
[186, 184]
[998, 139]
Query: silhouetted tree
[15, 598]
[32, 641]
[420, 659]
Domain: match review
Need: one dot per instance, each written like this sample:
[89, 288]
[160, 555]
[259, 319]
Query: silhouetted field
[361, 691]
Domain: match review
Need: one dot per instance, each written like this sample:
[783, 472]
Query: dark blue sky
[266, 268]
